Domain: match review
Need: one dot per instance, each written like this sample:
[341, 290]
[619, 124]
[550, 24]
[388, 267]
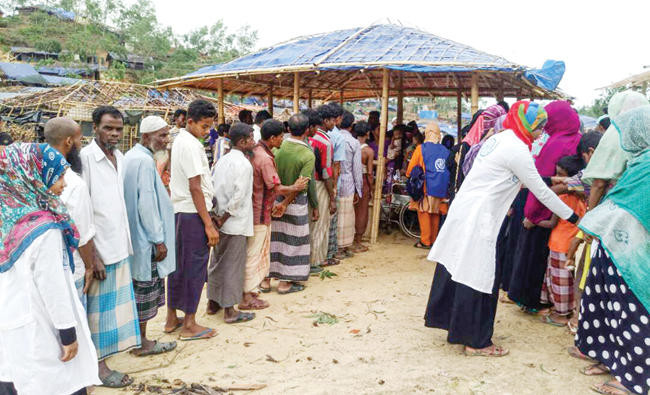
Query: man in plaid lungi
[151, 221]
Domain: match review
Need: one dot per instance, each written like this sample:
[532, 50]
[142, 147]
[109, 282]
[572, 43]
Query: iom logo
[488, 147]
[440, 165]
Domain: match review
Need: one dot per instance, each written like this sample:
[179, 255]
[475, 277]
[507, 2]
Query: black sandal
[420, 245]
[294, 288]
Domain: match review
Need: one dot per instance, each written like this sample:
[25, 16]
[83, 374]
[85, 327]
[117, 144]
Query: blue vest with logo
[436, 173]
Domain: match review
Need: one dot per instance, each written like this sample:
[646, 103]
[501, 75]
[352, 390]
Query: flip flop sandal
[158, 348]
[178, 326]
[420, 245]
[256, 304]
[573, 330]
[575, 353]
[548, 320]
[294, 288]
[114, 380]
[331, 262]
[597, 367]
[265, 290]
[600, 388]
[242, 317]
[205, 334]
[315, 269]
[497, 351]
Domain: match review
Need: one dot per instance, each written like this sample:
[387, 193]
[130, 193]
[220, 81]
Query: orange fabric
[429, 226]
[416, 159]
[565, 231]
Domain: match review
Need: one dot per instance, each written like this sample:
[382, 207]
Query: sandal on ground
[115, 380]
[357, 248]
[241, 317]
[595, 369]
[210, 311]
[255, 304]
[294, 288]
[330, 262]
[179, 324]
[576, 353]
[315, 269]
[548, 320]
[158, 348]
[265, 290]
[573, 329]
[495, 351]
[610, 388]
[341, 255]
[505, 299]
[419, 244]
[205, 334]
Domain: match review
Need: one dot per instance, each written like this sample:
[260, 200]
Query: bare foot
[613, 387]
[196, 329]
[490, 351]
[173, 323]
[213, 307]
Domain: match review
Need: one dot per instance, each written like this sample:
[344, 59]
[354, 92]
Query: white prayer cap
[152, 123]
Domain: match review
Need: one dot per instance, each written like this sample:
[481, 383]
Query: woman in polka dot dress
[614, 326]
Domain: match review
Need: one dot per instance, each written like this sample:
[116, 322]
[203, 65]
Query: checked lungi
[290, 242]
[149, 295]
[558, 284]
[346, 218]
[258, 257]
[319, 230]
[112, 313]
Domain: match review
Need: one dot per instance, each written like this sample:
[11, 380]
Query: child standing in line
[558, 288]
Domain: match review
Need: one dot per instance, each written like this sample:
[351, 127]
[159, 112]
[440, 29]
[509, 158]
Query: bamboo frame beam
[459, 112]
[309, 99]
[270, 99]
[221, 116]
[296, 92]
[474, 93]
[400, 99]
[376, 205]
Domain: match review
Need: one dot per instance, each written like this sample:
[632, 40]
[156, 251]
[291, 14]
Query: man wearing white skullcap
[151, 222]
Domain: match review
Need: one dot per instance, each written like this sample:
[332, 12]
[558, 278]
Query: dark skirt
[466, 314]
[529, 267]
[184, 286]
[614, 325]
[508, 237]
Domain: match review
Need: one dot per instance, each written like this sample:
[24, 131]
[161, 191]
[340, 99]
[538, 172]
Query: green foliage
[595, 109]
[133, 25]
[48, 45]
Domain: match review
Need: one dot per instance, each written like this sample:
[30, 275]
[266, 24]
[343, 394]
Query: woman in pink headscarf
[530, 260]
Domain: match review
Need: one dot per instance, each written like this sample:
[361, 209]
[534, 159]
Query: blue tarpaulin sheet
[549, 76]
[22, 72]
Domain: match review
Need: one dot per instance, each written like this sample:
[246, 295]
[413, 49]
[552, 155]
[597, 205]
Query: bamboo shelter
[378, 61]
[79, 100]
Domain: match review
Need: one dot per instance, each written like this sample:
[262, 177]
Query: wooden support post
[341, 98]
[474, 93]
[500, 94]
[400, 100]
[379, 179]
[269, 99]
[220, 111]
[309, 99]
[296, 92]
[459, 112]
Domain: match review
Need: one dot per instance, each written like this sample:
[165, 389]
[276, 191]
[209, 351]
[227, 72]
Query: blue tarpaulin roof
[403, 48]
[22, 72]
[346, 64]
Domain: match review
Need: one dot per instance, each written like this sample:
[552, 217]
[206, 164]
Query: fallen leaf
[271, 359]
[335, 361]
[354, 331]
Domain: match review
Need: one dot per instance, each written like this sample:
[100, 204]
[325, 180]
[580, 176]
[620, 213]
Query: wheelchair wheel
[408, 222]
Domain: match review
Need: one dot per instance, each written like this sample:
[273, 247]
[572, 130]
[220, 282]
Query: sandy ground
[378, 345]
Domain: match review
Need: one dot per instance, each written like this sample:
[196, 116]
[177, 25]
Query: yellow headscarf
[432, 133]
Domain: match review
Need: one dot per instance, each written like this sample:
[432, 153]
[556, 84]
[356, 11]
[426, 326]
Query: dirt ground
[378, 344]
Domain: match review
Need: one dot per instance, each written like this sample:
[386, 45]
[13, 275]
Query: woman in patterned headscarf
[614, 326]
[43, 326]
[465, 287]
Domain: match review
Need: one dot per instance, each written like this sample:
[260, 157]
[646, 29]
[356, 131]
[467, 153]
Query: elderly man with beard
[151, 222]
[64, 135]
[112, 314]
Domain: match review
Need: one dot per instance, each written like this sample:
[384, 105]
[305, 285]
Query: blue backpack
[415, 183]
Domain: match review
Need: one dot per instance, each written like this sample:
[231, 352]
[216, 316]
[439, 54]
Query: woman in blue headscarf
[45, 341]
[614, 325]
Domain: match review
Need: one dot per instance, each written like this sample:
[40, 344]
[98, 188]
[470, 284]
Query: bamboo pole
[474, 93]
[400, 100]
[296, 92]
[309, 99]
[221, 113]
[269, 99]
[376, 204]
[459, 112]
[341, 100]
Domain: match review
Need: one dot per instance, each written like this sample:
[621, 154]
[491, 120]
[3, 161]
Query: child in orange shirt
[558, 286]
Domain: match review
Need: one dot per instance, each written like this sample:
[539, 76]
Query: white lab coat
[466, 245]
[37, 298]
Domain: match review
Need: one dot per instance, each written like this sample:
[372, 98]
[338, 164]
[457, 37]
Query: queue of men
[265, 211]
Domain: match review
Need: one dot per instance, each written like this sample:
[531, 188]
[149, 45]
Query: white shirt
[38, 297]
[466, 245]
[104, 181]
[257, 133]
[233, 186]
[77, 200]
[188, 160]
